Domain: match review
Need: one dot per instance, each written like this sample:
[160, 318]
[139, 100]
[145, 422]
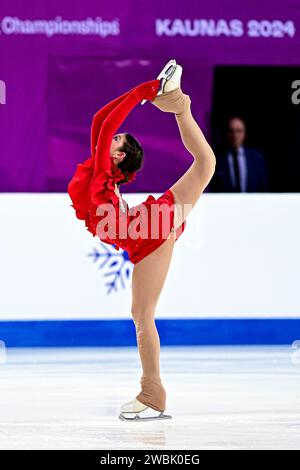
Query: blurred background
[61, 63]
[229, 313]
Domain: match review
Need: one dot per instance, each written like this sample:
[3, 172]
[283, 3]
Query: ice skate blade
[164, 75]
[135, 417]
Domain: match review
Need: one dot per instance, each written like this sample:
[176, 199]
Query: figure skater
[115, 160]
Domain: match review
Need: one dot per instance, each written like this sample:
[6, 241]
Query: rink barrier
[173, 332]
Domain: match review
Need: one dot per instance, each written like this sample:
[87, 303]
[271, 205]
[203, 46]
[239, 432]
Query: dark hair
[134, 157]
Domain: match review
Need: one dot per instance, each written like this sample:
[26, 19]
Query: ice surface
[219, 397]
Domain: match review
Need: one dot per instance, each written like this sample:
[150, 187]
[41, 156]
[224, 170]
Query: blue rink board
[172, 332]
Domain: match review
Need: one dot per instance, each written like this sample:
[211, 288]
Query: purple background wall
[56, 82]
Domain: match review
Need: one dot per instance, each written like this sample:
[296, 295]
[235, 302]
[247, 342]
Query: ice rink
[219, 398]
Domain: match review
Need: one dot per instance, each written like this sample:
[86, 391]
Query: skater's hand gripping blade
[164, 75]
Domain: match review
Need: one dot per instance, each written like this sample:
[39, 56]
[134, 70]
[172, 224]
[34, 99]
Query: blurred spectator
[239, 168]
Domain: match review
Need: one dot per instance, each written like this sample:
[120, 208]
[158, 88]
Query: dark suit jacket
[257, 173]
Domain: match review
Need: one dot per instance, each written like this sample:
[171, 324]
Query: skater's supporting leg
[147, 282]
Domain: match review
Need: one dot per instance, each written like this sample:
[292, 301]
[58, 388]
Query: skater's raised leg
[192, 183]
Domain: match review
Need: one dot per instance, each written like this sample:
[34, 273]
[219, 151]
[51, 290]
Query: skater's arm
[116, 117]
[99, 117]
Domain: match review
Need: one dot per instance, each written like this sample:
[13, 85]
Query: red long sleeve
[112, 117]
[83, 185]
[99, 117]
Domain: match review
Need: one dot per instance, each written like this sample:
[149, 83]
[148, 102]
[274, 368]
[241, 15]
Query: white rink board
[238, 257]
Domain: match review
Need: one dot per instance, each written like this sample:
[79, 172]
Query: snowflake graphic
[117, 264]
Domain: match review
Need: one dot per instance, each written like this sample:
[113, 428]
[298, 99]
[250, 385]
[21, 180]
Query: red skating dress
[138, 230]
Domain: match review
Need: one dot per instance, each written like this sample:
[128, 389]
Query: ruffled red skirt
[137, 250]
[89, 193]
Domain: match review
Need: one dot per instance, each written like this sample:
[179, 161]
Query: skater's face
[117, 143]
[236, 133]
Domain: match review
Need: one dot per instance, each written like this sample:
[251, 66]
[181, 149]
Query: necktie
[236, 170]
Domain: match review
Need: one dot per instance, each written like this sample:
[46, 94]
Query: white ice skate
[165, 75]
[134, 410]
[175, 80]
